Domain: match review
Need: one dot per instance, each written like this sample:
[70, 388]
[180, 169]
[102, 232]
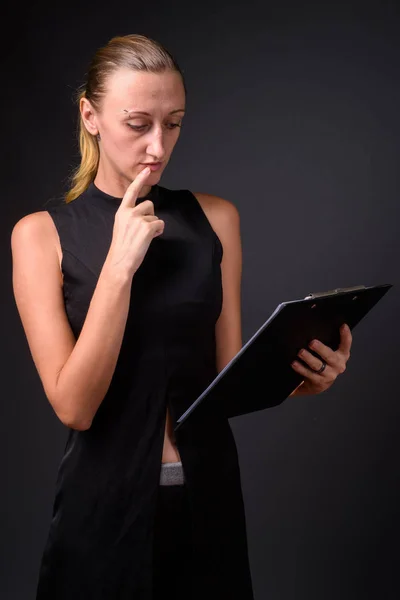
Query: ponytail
[87, 169]
[135, 52]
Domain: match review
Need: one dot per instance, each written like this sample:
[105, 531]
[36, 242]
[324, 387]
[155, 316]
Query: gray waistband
[172, 474]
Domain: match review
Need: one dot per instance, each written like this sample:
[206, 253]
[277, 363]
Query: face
[139, 122]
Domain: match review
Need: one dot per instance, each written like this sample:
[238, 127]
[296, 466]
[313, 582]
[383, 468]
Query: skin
[122, 153]
[128, 140]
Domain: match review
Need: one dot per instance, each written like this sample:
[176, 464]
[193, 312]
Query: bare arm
[75, 374]
[224, 218]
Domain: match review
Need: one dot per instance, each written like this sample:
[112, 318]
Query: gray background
[292, 114]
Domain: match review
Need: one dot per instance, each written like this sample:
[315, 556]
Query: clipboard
[260, 375]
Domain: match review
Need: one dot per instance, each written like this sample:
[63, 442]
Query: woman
[129, 294]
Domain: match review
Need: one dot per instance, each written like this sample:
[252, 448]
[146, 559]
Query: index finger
[345, 339]
[134, 188]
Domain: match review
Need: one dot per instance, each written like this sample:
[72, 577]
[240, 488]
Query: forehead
[137, 90]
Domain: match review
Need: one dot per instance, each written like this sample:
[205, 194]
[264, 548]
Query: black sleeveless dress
[99, 545]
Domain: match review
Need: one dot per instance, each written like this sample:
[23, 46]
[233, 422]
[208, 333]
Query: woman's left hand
[315, 383]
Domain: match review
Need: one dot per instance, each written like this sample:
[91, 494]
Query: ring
[322, 369]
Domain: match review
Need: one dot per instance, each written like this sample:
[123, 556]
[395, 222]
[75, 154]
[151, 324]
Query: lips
[153, 166]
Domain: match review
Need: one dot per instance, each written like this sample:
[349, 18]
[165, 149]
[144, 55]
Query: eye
[142, 127]
[136, 127]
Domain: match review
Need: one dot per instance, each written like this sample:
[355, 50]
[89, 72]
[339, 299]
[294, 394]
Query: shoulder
[222, 213]
[34, 230]
[33, 225]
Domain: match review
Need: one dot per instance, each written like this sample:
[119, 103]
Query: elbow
[73, 421]
[77, 425]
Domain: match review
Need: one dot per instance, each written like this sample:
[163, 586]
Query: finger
[346, 340]
[327, 376]
[150, 218]
[158, 227]
[336, 360]
[144, 208]
[134, 188]
[323, 351]
[312, 361]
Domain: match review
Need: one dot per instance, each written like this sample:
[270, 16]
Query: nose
[156, 147]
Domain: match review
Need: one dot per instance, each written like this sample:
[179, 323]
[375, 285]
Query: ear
[88, 115]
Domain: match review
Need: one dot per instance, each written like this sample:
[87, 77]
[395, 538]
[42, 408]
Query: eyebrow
[141, 112]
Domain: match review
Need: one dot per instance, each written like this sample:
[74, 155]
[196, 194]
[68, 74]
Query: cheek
[124, 143]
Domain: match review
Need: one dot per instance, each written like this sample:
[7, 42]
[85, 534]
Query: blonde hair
[136, 52]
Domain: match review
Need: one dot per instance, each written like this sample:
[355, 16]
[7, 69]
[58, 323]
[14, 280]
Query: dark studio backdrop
[292, 114]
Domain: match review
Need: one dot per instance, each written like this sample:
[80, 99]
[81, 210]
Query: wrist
[115, 274]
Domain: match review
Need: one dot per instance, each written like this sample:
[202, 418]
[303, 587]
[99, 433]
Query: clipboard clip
[354, 288]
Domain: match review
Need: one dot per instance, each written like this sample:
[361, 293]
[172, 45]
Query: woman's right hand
[134, 228]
